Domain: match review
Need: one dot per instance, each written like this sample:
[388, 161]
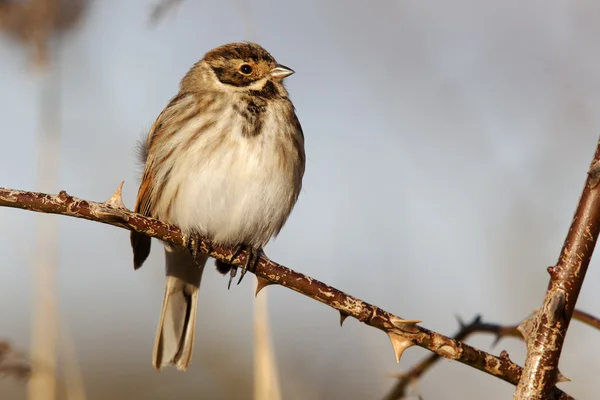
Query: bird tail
[175, 336]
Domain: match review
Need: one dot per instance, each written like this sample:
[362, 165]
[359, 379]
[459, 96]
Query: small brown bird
[224, 160]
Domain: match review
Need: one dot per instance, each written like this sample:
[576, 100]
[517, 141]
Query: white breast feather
[233, 193]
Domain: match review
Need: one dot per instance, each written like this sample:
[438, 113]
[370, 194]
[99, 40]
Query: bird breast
[226, 185]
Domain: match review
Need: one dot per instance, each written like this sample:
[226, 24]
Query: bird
[224, 160]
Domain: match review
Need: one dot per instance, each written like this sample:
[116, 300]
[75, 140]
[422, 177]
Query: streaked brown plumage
[225, 160]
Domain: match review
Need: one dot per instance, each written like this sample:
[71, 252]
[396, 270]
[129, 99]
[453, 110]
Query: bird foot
[252, 259]
[193, 243]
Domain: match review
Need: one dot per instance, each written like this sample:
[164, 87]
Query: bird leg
[192, 243]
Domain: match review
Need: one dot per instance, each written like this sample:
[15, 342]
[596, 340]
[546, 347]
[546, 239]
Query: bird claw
[251, 261]
[232, 274]
[191, 243]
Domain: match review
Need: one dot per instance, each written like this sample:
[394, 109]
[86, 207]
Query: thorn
[343, 317]
[561, 378]
[460, 321]
[526, 327]
[406, 325]
[261, 283]
[496, 339]
[594, 174]
[116, 200]
[504, 355]
[399, 344]
[116, 205]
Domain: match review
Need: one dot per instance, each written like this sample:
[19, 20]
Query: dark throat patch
[269, 91]
[252, 109]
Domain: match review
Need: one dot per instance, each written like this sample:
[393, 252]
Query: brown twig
[402, 333]
[466, 330]
[586, 318]
[545, 331]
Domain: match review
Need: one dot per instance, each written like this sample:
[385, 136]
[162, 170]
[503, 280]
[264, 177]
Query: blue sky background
[447, 144]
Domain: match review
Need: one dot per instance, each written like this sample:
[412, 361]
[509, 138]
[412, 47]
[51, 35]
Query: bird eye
[246, 69]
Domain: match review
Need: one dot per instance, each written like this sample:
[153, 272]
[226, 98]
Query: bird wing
[140, 243]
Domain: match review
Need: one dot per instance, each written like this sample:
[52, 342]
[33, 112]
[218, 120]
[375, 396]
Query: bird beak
[281, 71]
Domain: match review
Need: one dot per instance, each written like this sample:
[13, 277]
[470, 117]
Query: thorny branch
[402, 333]
[476, 326]
[545, 331]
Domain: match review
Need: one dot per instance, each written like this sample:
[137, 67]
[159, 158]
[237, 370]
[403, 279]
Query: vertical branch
[249, 26]
[42, 385]
[42, 15]
[73, 379]
[545, 331]
[266, 380]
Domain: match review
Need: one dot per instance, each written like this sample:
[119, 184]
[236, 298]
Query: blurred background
[447, 145]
